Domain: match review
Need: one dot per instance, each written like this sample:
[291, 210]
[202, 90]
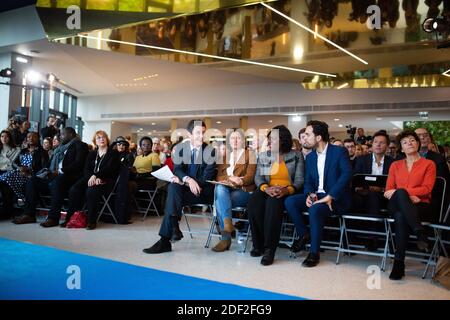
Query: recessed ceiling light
[21, 59]
[340, 125]
[297, 118]
[218, 122]
[379, 118]
[270, 121]
[153, 123]
[337, 119]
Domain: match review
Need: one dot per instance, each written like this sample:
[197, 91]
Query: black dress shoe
[255, 253]
[177, 235]
[299, 244]
[268, 257]
[91, 226]
[159, 247]
[311, 260]
[49, 222]
[23, 219]
[398, 270]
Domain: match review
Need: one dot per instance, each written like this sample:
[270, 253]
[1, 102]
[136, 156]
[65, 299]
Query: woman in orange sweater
[408, 188]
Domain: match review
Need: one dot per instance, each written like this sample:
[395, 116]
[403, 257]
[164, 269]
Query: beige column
[173, 124]
[243, 123]
[207, 121]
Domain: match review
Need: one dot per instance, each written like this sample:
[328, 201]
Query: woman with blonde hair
[237, 171]
[100, 173]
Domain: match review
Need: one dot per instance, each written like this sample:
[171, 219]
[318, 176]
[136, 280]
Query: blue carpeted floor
[29, 271]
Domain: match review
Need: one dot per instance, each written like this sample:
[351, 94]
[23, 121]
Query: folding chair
[106, 205]
[438, 245]
[199, 210]
[240, 236]
[288, 233]
[440, 188]
[344, 240]
[151, 206]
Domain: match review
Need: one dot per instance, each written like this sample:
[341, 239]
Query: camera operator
[50, 130]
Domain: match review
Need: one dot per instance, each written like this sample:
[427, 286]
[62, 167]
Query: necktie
[192, 168]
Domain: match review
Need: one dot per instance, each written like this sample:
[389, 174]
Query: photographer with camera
[50, 130]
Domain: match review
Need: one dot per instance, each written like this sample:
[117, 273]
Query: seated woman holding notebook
[237, 171]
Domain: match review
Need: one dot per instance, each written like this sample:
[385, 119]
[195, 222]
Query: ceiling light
[21, 59]
[270, 121]
[297, 118]
[314, 33]
[140, 129]
[153, 123]
[337, 119]
[343, 86]
[378, 118]
[340, 125]
[210, 56]
[218, 122]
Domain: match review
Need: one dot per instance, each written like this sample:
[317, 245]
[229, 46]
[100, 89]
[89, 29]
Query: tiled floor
[124, 243]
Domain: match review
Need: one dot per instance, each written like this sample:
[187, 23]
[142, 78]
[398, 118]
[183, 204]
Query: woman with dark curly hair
[408, 188]
[279, 173]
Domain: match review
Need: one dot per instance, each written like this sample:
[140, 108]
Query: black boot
[398, 270]
[300, 244]
[268, 257]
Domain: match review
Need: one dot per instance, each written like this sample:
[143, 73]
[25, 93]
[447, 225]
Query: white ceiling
[97, 72]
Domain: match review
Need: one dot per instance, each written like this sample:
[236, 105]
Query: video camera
[351, 131]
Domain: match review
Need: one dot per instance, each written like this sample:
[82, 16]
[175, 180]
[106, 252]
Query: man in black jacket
[377, 163]
[65, 168]
[194, 164]
[50, 130]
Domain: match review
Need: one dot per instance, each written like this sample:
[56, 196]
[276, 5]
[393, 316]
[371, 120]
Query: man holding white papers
[194, 164]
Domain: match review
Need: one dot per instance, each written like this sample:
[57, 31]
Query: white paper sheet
[164, 174]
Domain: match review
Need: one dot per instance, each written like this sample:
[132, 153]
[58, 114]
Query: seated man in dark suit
[326, 191]
[194, 164]
[66, 167]
[371, 200]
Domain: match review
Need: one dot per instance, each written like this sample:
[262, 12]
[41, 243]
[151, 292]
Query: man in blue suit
[194, 164]
[326, 190]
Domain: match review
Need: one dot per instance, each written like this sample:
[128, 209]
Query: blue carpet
[29, 271]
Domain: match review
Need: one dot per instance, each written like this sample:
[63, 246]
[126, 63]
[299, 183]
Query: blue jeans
[226, 198]
[295, 205]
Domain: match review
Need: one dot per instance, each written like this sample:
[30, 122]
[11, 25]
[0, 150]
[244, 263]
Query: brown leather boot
[222, 245]
[228, 225]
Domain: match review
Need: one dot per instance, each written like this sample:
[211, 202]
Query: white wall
[248, 96]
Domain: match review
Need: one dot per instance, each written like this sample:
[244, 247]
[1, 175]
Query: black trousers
[266, 217]
[408, 217]
[370, 202]
[7, 208]
[81, 193]
[56, 187]
[177, 197]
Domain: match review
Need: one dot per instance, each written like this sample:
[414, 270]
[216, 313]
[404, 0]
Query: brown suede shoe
[228, 225]
[222, 245]
[23, 219]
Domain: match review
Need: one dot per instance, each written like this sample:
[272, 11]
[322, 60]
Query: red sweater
[419, 182]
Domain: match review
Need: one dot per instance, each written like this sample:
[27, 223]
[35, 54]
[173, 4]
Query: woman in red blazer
[409, 185]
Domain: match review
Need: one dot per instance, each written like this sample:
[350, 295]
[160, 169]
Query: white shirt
[377, 169]
[230, 169]
[321, 157]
